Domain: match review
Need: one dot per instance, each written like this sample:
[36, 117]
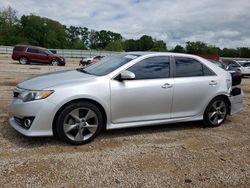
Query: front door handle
[166, 85]
[212, 83]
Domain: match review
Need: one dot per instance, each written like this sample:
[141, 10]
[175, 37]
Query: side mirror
[127, 75]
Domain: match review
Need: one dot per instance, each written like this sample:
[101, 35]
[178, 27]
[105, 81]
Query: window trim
[174, 64]
[31, 52]
[171, 72]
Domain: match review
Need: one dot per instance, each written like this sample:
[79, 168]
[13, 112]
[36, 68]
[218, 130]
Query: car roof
[140, 53]
[29, 46]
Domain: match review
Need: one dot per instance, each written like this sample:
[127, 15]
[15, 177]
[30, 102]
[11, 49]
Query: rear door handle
[166, 85]
[212, 83]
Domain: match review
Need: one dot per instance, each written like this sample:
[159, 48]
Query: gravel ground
[176, 155]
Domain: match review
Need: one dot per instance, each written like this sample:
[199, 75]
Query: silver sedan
[126, 90]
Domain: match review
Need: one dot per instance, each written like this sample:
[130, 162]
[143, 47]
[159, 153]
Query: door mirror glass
[127, 75]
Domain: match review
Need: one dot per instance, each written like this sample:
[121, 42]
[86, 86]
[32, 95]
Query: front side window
[32, 50]
[189, 67]
[46, 52]
[152, 68]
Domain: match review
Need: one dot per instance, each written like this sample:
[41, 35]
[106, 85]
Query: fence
[69, 53]
[66, 52]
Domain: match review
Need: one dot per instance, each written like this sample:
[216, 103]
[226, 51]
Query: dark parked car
[232, 69]
[27, 54]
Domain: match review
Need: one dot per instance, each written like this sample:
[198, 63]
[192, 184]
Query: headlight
[30, 95]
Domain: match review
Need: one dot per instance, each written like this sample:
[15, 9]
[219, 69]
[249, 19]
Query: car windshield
[108, 64]
[219, 64]
[242, 63]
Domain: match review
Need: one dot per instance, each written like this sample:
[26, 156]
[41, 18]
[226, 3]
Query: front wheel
[79, 123]
[216, 112]
[54, 62]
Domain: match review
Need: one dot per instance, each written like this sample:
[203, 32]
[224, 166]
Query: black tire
[55, 62]
[64, 114]
[221, 117]
[23, 60]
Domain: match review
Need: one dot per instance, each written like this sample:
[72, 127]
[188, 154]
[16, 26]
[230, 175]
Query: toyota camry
[125, 90]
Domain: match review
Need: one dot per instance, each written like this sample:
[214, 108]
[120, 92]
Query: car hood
[54, 79]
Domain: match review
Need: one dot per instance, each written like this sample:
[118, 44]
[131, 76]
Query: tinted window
[150, 68]
[247, 65]
[32, 50]
[188, 67]
[42, 51]
[18, 48]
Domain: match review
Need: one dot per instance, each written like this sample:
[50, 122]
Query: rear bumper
[14, 57]
[236, 102]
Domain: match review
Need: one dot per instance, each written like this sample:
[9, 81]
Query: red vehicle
[88, 61]
[96, 59]
[26, 54]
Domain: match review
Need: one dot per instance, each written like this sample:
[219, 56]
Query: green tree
[130, 45]
[179, 49]
[43, 31]
[114, 46]
[159, 46]
[100, 39]
[244, 52]
[9, 27]
[229, 52]
[146, 43]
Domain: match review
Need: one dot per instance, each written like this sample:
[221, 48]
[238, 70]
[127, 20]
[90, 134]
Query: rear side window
[247, 65]
[18, 48]
[33, 50]
[152, 68]
[189, 67]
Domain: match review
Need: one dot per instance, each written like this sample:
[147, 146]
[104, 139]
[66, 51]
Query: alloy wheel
[55, 63]
[217, 112]
[80, 124]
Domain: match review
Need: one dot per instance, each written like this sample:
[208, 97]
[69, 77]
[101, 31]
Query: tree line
[41, 31]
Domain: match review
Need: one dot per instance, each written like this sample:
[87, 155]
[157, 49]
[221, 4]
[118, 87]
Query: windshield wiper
[82, 70]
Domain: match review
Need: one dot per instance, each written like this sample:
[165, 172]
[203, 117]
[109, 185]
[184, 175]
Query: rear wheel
[79, 123]
[216, 112]
[23, 60]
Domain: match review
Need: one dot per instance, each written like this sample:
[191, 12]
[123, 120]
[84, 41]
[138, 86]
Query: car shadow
[22, 141]
[31, 63]
[124, 132]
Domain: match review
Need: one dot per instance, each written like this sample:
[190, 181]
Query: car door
[148, 96]
[43, 56]
[32, 54]
[194, 85]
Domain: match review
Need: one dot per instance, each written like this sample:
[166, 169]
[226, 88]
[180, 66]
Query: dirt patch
[8, 83]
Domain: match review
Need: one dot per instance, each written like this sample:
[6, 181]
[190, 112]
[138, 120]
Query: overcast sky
[225, 23]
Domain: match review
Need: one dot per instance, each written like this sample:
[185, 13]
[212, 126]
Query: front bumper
[236, 102]
[41, 110]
